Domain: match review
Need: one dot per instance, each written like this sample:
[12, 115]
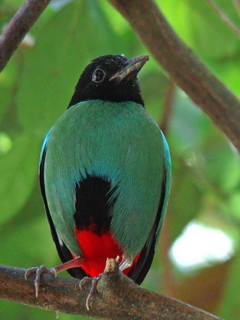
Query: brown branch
[183, 66]
[117, 297]
[168, 279]
[236, 4]
[167, 107]
[224, 17]
[18, 27]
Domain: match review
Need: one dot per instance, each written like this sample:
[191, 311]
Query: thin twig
[167, 107]
[186, 70]
[236, 4]
[117, 297]
[18, 27]
[224, 17]
[168, 279]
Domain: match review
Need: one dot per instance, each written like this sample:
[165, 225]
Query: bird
[105, 174]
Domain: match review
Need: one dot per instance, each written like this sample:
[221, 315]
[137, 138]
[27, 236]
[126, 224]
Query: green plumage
[121, 143]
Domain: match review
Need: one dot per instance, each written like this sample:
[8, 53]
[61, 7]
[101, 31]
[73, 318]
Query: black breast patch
[92, 209]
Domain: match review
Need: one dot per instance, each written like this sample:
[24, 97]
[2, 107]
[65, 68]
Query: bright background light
[200, 246]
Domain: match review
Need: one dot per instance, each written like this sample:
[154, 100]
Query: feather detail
[97, 248]
[120, 143]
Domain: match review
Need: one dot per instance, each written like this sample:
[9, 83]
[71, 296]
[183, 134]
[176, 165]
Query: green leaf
[234, 204]
[208, 35]
[18, 174]
[63, 48]
[7, 79]
[221, 164]
[185, 200]
[228, 70]
[154, 86]
[229, 307]
[189, 127]
[199, 25]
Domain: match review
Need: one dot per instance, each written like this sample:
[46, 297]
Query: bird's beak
[132, 67]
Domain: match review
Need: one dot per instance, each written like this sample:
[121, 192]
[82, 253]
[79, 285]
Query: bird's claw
[39, 271]
[92, 290]
[84, 281]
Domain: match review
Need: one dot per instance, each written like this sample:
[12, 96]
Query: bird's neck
[119, 94]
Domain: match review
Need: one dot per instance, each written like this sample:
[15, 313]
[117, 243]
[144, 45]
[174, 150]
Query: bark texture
[117, 297]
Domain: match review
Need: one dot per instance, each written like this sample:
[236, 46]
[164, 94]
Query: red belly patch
[96, 249]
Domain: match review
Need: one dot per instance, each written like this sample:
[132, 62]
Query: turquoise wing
[166, 185]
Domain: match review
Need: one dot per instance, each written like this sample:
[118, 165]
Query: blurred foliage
[35, 89]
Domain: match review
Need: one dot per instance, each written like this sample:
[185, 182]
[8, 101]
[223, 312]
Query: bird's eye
[98, 75]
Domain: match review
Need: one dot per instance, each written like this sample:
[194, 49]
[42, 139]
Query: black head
[112, 78]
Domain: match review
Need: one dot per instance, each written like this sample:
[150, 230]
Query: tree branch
[222, 15]
[183, 66]
[167, 106]
[177, 59]
[18, 27]
[117, 297]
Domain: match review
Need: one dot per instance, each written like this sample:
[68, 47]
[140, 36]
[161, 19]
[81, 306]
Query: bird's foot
[74, 263]
[111, 265]
[93, 289]
[39, 271]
